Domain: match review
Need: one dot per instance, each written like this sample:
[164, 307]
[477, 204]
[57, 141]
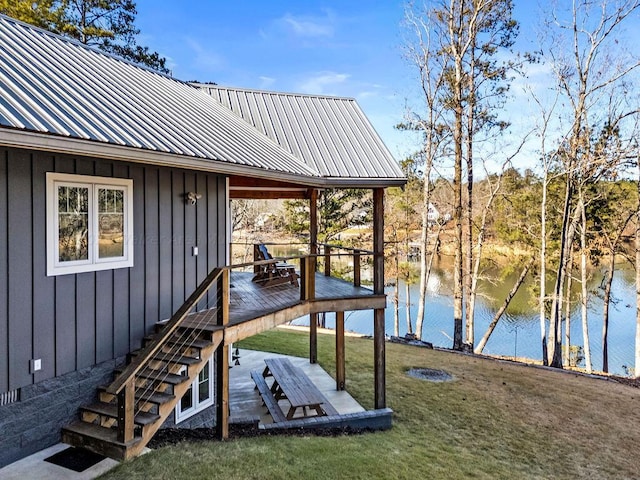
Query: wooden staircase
[134, 406]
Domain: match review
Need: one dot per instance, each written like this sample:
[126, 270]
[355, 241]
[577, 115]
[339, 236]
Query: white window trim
[197, 405]
[54, 266]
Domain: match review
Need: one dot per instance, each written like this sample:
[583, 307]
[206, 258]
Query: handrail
[271, 260]
[351, 249]
[161, 337]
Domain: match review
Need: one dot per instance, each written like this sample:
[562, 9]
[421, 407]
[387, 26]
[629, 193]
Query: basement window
[7, 398]
[89, 223]
[199, 396]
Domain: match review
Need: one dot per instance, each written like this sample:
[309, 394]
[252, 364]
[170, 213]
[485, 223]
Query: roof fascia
[88, 148]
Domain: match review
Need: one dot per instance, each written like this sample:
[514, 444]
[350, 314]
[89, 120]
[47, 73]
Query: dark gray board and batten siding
[79, 320]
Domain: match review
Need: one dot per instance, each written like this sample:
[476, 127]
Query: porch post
[222, 362]
[340, 360]
[313, 250]
[378, 288]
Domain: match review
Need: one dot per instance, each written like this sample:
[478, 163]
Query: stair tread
[193, 342]
[97, 432]
[158, 398]
[108, 409]
[170, 378]
[172, 358]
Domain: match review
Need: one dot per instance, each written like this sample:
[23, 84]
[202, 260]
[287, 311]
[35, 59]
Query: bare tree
[458, 41]
[636, 371]
[590, 68]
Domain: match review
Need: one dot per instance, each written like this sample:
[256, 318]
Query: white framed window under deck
[89, 223]
[199, 396]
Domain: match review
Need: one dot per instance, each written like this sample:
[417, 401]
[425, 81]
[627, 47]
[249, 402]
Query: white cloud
[170, 63]
[204, 59]
[309, 26]
[319, 82]
[266, 82]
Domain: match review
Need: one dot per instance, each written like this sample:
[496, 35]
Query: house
[115, 184]
[434, 216]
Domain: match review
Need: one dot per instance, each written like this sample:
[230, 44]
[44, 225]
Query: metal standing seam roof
[59, 87]
[53, 85]
[330, 134]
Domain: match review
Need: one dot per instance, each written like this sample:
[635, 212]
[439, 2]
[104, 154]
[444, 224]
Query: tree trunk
[505, 305]
[555, 334]
[469, 263]
[424, 237]
[543, 269]
[567, 312]
[605, 310]
[584, 295]
[407, 303]
[396, 297]
[457, 212]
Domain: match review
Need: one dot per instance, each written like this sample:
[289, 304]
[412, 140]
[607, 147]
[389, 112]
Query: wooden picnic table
[292, 384]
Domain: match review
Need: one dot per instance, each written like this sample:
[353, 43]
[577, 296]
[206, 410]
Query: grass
[496, 420]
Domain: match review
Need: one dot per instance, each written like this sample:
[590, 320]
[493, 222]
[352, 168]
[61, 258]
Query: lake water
[518, 332]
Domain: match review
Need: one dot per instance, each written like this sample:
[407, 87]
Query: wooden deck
[251, 303]
[250, 300]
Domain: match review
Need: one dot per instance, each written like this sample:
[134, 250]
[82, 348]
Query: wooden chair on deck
[275, 273]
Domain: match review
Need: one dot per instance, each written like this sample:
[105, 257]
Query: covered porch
[254, 308]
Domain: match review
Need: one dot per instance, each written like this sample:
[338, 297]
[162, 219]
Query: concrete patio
[245, 401]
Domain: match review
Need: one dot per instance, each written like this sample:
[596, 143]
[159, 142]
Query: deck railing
[358, 256]
[210, 305]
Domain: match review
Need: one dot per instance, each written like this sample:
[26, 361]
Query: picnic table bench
[292, 384]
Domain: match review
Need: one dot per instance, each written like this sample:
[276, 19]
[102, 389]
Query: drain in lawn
[430, 374]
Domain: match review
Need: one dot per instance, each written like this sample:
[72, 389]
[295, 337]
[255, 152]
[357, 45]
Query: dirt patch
[631, 382]
[173, 436]
[430, 374]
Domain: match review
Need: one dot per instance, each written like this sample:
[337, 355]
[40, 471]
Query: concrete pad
[245, 401]
[34, 467]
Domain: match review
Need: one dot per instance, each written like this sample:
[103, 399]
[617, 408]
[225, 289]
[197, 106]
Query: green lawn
[496, 420]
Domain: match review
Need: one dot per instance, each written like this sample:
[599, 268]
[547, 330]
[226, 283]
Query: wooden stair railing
[136, 404]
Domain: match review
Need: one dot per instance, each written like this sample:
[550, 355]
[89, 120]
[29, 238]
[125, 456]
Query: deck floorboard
[249, 300]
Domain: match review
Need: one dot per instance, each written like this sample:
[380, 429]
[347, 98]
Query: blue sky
[346, 48]
[349, 48]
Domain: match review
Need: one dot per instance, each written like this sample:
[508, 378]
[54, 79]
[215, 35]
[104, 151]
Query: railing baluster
[356, 268]
[327, 261]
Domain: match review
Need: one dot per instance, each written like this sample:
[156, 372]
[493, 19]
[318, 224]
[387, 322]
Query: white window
[199, 396]
[89, 223]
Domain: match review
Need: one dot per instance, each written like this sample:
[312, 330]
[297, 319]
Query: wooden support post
[126, 407]
[380, 400]
[222, 362]
[313, 222]
[340, 352]
[313, 338]
[356, 268]
[307, 292]
[311, 274]
[256, 257]
[327, 261]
